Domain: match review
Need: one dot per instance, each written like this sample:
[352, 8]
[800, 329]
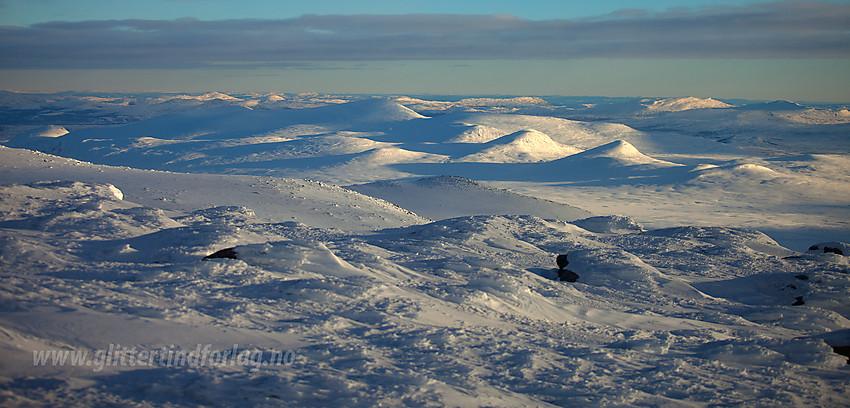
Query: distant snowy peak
[48, 131]
[504, 102]
[209, 96]
[620, 151]
[44, 138]
[524, 146]
[473, 103]
[812, 116]
[796, 113]
[526, 137]
[217, 95]
[651, 106]
[736, 174]
[773, 106]
[683, 104]
[19, 100]
[374, 110]
[478, 134]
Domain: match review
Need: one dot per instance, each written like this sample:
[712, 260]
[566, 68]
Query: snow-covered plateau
[333, 250]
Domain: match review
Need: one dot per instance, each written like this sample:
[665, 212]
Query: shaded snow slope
[450, 196]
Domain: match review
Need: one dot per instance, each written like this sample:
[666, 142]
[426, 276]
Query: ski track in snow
[443, 290]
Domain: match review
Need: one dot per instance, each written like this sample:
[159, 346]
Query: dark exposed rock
[562, 261]
[802, 277]
[839, 341]
[567, 275]
[228, 253]
[838, 248]
[798, 301]
[843, 350]
[831, 250]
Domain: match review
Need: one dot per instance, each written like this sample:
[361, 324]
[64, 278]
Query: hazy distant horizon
[791, 50]
[554, 99]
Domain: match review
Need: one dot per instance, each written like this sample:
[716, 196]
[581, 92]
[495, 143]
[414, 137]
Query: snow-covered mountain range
[404, 251]
[683, 153]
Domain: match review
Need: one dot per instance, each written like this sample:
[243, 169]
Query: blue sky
[756, 50]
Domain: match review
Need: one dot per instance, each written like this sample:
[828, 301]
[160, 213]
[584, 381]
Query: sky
[795, 50]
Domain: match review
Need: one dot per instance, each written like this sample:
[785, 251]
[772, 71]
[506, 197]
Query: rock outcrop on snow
[565, 274]
[837, 248]
[226, 253]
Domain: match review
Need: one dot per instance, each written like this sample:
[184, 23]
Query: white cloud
[768, 30]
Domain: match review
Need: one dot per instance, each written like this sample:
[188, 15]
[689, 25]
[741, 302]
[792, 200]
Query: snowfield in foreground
[130, 287]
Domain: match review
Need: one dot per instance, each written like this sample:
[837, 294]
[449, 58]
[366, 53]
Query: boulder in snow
[228, 253]
[839, 341]
[562, 261]
[838, 248]
[565, 275]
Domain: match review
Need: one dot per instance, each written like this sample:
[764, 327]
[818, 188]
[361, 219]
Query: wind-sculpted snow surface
[223, 277]
[464, 311]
